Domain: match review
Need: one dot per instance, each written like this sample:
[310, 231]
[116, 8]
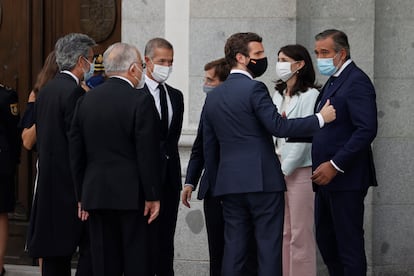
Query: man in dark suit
[239, 119]
[9, 158]
[57, 231]
[215, 72]
[169, 102]
[342, 157]
[115, 162]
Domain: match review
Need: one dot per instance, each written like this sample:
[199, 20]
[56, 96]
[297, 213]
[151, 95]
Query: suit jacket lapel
[328, 91]
[173, 107]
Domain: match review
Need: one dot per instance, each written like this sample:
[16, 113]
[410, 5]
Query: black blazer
[196, 166]
[9, 132]
[113, 147]
[56, 227]
[169, 147]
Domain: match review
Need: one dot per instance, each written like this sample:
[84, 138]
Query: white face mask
[141, 82]
[283, 70]
[161, 73]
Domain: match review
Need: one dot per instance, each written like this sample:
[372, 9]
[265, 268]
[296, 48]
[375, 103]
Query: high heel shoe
[3, 272]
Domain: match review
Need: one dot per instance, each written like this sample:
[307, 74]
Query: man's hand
[328, 112]
[82, 214]
[153, 209]
[186, 195]
[324, 173]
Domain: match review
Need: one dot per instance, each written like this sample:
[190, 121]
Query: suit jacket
[56, 227]
[196, 166]
[169, 148]
[9, 132]
[239, 121]
[347, 140]
[113, 148]
[298, 154]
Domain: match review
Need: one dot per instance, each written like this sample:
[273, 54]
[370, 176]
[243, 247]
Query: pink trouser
[299, 251]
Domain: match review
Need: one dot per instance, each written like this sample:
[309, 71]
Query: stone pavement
[24, 270]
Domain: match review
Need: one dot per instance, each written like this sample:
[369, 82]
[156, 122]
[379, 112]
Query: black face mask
[257, 66]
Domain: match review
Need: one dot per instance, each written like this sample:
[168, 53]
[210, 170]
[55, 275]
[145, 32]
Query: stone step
[24, 270]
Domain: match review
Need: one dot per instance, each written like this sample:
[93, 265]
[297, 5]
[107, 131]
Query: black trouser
[119, 242]
[53, 266]
[162, 232]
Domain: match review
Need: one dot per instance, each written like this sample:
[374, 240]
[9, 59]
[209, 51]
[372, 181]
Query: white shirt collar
[337, 73]
[241, 72]
[152, 84]
[123, 78]
[71, 74]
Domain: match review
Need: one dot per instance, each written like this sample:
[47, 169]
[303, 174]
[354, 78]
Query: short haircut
[156, 42]
[69, 48]
[221, 68]
[119, 57]
[340, 40]
[238, 43]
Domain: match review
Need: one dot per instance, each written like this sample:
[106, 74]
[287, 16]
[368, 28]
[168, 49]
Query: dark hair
[48, 71]
[340, 40]
[305, 76]
[221, 68]
[238, 43]
[156, 42]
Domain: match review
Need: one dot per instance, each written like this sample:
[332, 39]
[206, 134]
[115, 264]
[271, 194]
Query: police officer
[98, 76]
[9, 158]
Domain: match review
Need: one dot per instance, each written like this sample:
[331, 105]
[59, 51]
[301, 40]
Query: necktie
[164, 112]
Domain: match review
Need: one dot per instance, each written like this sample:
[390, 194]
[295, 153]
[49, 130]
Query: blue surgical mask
[208, 88]
[88, 74]
[326, 66]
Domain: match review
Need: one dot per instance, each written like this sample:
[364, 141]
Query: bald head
[119, 57]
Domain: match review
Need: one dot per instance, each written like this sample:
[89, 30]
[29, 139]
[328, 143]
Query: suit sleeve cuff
[320, 119]
[188, 184]
[336, 167]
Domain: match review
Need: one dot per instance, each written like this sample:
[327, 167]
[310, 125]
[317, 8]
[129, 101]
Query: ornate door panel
[28, 32]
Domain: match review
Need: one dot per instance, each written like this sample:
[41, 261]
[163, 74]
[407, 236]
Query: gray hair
[119, 57]
[157, 42]
[70, 47]
[339, 38]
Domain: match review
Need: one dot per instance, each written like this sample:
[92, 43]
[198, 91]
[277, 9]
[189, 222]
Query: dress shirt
[155, 92]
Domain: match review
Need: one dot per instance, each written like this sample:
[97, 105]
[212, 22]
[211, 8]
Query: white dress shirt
[155, 92]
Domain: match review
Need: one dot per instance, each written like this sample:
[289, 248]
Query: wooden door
[28, 32]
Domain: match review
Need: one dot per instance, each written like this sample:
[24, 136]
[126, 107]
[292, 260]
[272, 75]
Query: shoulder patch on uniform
[14, 109]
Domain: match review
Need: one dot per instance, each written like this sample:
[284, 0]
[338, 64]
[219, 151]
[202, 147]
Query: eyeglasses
[87, 59]
[143, 64]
